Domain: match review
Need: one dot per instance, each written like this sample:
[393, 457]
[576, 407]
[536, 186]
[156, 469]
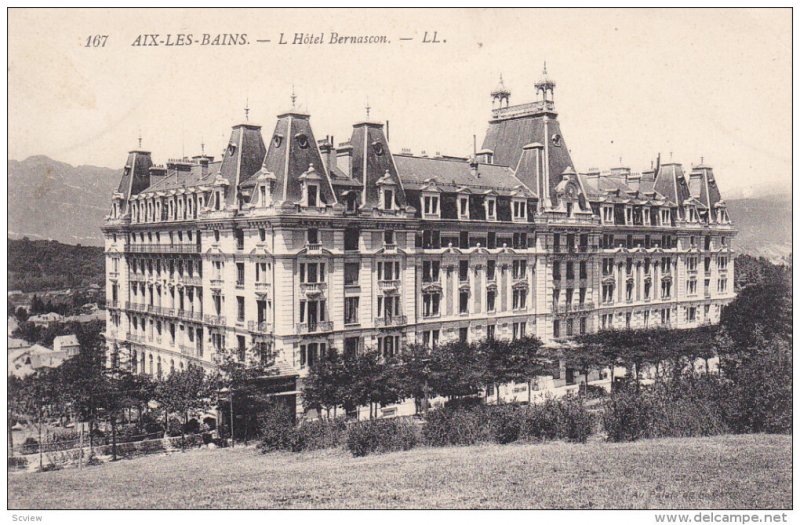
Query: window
[463, 207]
[646, 318]
[388, 237]
[388, 270]
[388, 306]
[241, 348]
[351, 237]
[262, 234]
[629, 291]
[628, 320]
[351, 310]
[490, 270]
[311, 353]
[351, 271]
[519, 269]
[722, 263]
[388, 345]
[666, 288]
[240, 309]
[691, 314]
[608, 266]
[490, 331]
[430, 271]
[556, 328]
[491, 296]
[570, 270]
[570, 327]
[239, 275]
[582, 270]
[691, 287]
[556, 271]
[430, 338]
[519, 208]
[463, 271]
[606, 321]
[665, 316]
[582, 326]
[463, 301]
[463, 334]
[431, 205]
[351, 345]
[388, 199]
[491, 209]
[519, 298]
[312, 272]
[239, 238]
[312, 194]
[691, 264]
[608, 293]
[647, 286]
[722, 285]
[518, 330]
[608, 215]
[582, 296]
[430, 304]
[312, 236]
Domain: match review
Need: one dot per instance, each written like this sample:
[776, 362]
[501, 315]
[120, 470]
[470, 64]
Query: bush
[686, 406]
[277, 429]
[17, 462]
[381, 435]
[459, 426]
[30, 445]
[320, 434]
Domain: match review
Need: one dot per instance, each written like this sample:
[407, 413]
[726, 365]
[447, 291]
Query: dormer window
[377, 147]
[312, 195]
[388, 199]
[491, 208]
[430, 205]
[519, 209]
[608, 214]
[463, 207]
[665, 218]
[628, 215]
[302, 140]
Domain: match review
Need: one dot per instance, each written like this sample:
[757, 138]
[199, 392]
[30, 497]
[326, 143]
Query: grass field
[751, 471]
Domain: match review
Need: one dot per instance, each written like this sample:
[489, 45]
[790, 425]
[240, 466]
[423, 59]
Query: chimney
[473, 167]
[157, 173]
[344, 158]
[328, 153]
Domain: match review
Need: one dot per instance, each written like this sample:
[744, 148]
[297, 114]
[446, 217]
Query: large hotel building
[298, 245]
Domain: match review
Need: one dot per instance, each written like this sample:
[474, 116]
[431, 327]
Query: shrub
[320, 434]
[30, 445]
[381, 435]
[686, 406]
[459, 426]
[277, 429]
[17, 462]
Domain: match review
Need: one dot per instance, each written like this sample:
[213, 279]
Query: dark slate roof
[288, 159]
[671, 183]
[243, 156]
[176, 179]
[451, 174]
[136, 174]
[372, 161]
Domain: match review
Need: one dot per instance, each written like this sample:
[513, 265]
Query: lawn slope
[750, 471]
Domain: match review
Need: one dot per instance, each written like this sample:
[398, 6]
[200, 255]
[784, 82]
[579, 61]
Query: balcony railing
[395, 320]
[162, 248]
[315, 327]
[388, 284]
[136, 338]
[215, 320]
[217, 283]
[312, 288]
[262, 326]
[263, 287]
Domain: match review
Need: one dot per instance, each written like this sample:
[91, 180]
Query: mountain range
[49, 199]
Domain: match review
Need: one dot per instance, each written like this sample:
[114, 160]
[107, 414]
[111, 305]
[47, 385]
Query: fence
[60, 454]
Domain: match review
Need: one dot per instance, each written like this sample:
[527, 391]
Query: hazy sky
[630, 83]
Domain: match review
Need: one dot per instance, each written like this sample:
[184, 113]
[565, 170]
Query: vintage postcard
[400, 259]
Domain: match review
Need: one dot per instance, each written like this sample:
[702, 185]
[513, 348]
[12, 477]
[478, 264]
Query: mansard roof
[175, 179]
[452, 174]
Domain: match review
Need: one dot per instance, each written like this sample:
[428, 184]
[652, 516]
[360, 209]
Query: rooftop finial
[293, 97]
[140, 138]
[202, 146]
[544, 70]
[367, 107]
[247, 110]
[702, 160]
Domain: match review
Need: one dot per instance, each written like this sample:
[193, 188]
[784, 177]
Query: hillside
[730, 472]
[78, 199]
[53, 200]
[765, 226]
[46, 265]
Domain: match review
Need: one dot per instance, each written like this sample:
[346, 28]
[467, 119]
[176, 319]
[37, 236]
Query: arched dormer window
[386, 192]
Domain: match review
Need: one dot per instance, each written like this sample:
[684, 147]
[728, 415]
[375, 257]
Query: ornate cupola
[501, 96]
[544, 85]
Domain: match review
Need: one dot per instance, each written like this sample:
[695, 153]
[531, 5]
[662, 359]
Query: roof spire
[202, 146]
[140, 138]
[367, 107]
[247, 110]
[293, 97]
[544, 70]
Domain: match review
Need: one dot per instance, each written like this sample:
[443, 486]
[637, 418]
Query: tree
[370, 379]
[322, 388]
[184, 391]
[457, 369]
[416, 375]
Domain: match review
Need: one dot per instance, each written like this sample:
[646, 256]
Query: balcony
[217, 283]
[162, 248]
[388, 285]
[113, 275]
[263, 287]
[214, 320]
[192, 281]
[259, 326]
[113, 304]
[396, 320]
[136, 338]
[240, 285]
[314, 246]
[312, 289]
[313, 327]
[187, 350]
